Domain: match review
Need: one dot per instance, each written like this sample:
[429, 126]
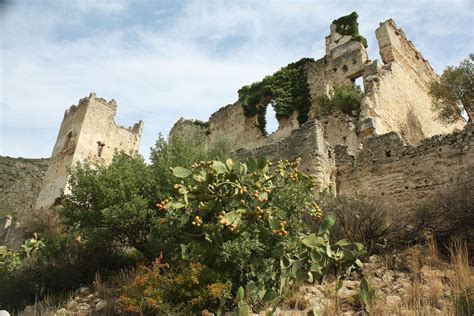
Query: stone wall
[388, 148]
[405, 175]
[88, 132]
[306, 142]
[397, 96]
[343, 63]
[240, 130]
[396, 99]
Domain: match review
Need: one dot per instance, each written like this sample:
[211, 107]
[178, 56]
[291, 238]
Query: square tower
[88, 132]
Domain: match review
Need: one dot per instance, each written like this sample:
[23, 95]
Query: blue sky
[162, 60]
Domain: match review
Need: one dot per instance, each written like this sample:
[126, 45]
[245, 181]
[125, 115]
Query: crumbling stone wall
[239, 129]
[405, 175]
[306, 142]
[387, 149]
[88, 132]
[397, 92]
[344, 61]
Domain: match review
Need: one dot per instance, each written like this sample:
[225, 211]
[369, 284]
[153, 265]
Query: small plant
[9, 260]
[366, 294]
[367, 221]
[99, 285]
[461, 282]
[242, 308]
[32, 246]
[345, 99]
[348, 25]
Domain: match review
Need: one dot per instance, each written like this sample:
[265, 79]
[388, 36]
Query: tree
[184, 148]
[113, 204]
[453, 94]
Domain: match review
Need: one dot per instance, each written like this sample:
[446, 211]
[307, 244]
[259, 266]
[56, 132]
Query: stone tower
[88, 132]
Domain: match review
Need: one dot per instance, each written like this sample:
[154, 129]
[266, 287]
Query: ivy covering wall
[286, 90]
[348, 25]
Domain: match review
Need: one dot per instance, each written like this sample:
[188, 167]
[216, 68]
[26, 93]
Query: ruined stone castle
[392, 147]
[88, 132]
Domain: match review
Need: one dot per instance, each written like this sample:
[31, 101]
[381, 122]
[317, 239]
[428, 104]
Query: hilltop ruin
[392, 146]
[389, 147]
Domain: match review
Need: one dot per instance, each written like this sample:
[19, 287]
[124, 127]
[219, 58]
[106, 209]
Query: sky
[162, 60]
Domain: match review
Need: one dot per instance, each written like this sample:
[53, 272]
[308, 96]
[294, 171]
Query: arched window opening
[270, 118]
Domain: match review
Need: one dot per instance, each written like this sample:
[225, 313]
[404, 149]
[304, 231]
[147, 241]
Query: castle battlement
[88, 132]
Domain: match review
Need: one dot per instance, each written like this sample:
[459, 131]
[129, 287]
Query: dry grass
[433, 252]
[432, 285]
[462, 280]
[297, 301]
[99, 285]
[49, 305]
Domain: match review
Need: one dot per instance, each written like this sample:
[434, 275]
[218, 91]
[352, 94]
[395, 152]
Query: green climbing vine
[286, 90]
[348, 25]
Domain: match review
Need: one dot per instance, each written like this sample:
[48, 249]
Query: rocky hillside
[20, 182]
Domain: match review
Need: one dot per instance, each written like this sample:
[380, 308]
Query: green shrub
[116, 204]
[248, 222]
[345, 99]
[9, 260]
[112, 204]
[62, 264]
[183, 149]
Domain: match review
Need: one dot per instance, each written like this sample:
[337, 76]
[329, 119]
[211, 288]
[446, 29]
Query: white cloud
[189, 65]
[105, 6]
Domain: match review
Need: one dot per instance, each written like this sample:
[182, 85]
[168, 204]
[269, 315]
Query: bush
[112, 204]
[115, 204]
[246, 222]
[154, 291]
[183, 149]
[449, 214]
[366, 221]
[345, 99]
[62, 264]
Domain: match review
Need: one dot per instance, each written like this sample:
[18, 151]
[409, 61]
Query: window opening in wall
[68, 140]
[270, 117]
[359, 82]
[345, 68]
[100, 148]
